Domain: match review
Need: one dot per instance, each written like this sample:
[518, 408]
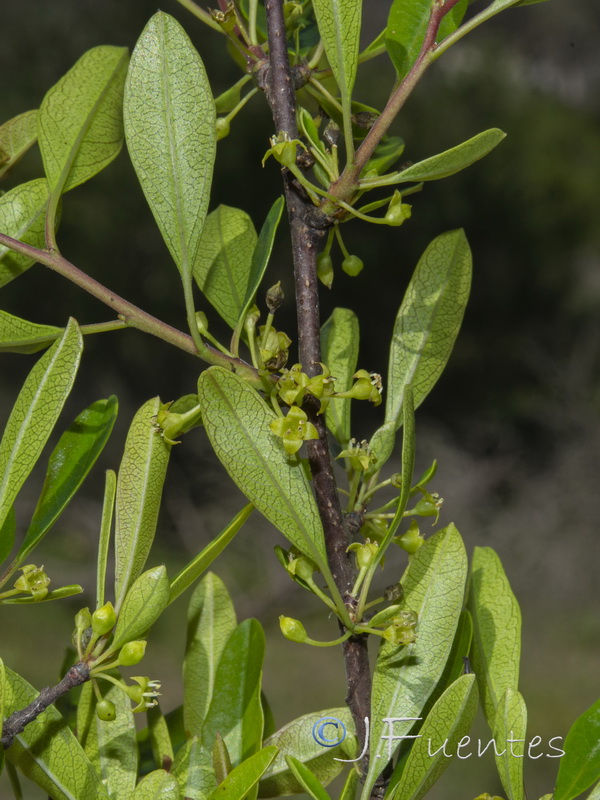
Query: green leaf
[35, 412]
[595, 794]
[204, 559]
[211, 621]
[580, 766]
[22, 216]
[223, 264]
[296, 739]
[170, 129]
[454, 160]
[158, 785]
[80, 125]
[110, 746]
[160, 739]
[235, 710]
[143, 604]
[407, 25]
[445, 726]
[108, 507]
[237, 423]
[47, 752]
[194, 771]
[7, 534]
[426, 328]
[17, 135]
[339, 344]
[21, 336]
[405, 677]
[496, 616]
[139, 490]
[243, 778]
[307, 779]
[339, 25]
[71, 460]
[260, 260]
[510, 730]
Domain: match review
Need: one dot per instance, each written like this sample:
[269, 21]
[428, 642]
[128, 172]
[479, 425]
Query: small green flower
[33, 581]
[411, 540]
[294, 384]
[428, 506]
[398, 212]
[294, 429]
[325, 269]
[402, 628]
[360, 457]
[283, 149]
[273, 347]
[367, 386]
[144, 694]
[301, 566]
[365, 553]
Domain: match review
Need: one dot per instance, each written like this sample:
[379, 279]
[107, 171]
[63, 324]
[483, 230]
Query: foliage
[266, 422]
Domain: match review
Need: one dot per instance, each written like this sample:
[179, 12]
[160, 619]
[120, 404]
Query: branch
[305, 241]
[18, 721]
[130, 314]
[345, 187]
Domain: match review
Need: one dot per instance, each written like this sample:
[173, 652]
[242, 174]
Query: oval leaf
[47, 752]
[224, 260]
[237, 423]
[158, 785]
[211, 621]
[71, 460]
[80, 124]
[454, 160]
[405, 677]
[194, 771]
[339, 343]
[21, 336]
[143, 604]
[580, 766]
[171, 137]
[235, 710]
[17, 135]
[296, 739]
[445, 726]
[496, 648]
[243, 778]
[22, 216]
[139, 491]
[510, 730]
[35, 413]
[110, 746]
[426, 327]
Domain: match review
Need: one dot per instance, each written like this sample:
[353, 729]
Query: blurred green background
[514, 421]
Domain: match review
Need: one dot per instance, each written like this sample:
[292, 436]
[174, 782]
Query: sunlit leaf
[580, 766]
[80, 123]
[158, 785]
[339, 25]
[143, 604]
[170, 129]
[139, 490]
[496, 648]
[510, 732]
[21, 336]
[244, 777]
[22, 216]
[17, 135]
[339, 344]
[194, 771]
[35, 413]
[211, 621]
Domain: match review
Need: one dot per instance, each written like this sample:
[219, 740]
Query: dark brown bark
[306, 235]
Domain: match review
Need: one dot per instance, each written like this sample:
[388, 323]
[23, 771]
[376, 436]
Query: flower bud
[365, 553]
[352, 265]
[132, 653]
[106, 711]
[222, 127]
[33, 581]
[201, 322]
[83, 619]
[275, 297]
[293, 629]
[411, 539]
[325, 269]
[103, 619]
[302, 568]
[384, 615]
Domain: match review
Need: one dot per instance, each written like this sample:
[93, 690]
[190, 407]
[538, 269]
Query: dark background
[514, 420]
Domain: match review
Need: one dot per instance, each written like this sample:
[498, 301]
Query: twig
[305, 240]
[19, 720]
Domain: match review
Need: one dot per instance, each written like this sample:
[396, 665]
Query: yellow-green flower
[294, 429]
